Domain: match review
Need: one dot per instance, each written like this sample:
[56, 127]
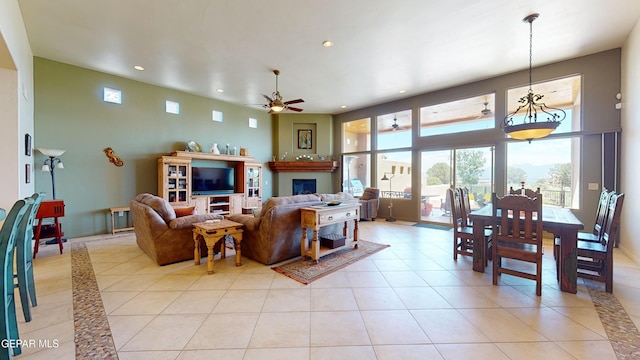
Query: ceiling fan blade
[294, 109]
[293, 101]
[268, 98]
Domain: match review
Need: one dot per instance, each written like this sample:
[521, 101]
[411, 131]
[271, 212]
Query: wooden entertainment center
[174, 183]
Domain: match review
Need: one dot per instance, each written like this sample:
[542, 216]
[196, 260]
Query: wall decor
[27, 173]
[27, 144]
[113, 158]
[305, 139]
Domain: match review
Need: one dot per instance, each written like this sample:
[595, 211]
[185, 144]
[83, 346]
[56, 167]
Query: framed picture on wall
[27, 173]
[305, 139]
[27, 144]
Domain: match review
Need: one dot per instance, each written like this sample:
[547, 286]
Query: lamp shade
[277, 106]
[531, 130]
[60, 165]
[51, 152]
[46, 168]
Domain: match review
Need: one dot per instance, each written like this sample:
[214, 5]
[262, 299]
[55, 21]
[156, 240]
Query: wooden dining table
[561, 222]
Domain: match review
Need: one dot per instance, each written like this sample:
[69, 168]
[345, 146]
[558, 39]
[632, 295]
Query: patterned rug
[305, 271]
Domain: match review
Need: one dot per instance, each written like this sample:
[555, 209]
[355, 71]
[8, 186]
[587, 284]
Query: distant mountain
[534, 172]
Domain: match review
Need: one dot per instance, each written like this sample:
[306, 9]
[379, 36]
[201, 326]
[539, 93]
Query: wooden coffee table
[212, 232]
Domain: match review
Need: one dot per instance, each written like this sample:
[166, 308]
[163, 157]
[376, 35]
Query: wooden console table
[317, 216]
[212, 232]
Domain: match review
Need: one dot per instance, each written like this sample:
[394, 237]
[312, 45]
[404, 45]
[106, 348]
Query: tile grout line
[621, 331]
[92, 334]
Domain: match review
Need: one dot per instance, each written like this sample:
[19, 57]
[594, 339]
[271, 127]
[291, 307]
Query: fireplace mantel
[303, 166]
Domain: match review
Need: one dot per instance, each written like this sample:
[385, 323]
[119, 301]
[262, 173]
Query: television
[209, 180]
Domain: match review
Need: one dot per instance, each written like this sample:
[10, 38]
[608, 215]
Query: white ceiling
[381, 46]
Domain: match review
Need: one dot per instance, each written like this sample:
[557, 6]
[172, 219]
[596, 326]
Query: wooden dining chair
[466, 204]
[517, 235]
[8, 234]
[523, 191]
[24, 259]
[595, 259]
[601, 215]
[462, 233]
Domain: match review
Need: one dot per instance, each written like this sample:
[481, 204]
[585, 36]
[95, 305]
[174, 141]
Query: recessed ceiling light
[220, 90]
[138, 67]
[327, 43]
[343, 106]
[403, 91]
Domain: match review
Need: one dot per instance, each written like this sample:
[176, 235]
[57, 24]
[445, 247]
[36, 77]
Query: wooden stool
[118, 210]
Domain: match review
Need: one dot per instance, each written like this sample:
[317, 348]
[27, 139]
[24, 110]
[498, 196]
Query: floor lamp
[51, 164]
[385, 178]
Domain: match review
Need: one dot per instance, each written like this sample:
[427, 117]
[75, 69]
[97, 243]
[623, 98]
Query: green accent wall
[70, 115]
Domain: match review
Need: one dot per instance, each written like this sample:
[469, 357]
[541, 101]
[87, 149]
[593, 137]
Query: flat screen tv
[207, 180]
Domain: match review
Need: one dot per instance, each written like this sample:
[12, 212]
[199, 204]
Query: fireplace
[304, 186]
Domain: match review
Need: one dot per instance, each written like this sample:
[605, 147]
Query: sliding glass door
[443, 169]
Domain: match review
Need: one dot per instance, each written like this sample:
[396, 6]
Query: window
[551, 164]
[172, 107]
[394, 130]
[394, 174]
[356, 173]
[356, 135]
[112, 96]
[469, 114]
[562, 94]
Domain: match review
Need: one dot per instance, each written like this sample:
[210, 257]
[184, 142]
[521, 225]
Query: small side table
[114, 210]
[212, 232]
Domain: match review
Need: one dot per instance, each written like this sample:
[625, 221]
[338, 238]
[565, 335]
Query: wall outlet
[593, 186]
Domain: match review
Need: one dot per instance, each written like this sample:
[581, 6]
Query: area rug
[305, 271]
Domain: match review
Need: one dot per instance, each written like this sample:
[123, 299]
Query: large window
[560, 94]
[356, 173]
[356, 159]
[394, 174]
[552, 164]
[394, 130]
[469, 114]
[356, 135]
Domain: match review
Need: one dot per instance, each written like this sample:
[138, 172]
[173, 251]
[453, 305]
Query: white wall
[630, 171]
[16, 110]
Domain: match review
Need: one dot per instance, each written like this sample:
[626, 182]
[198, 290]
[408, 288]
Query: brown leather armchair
[163, 236]
[370, 202]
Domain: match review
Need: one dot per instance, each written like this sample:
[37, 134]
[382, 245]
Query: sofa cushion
[336, 197]
[160, 205]
[187, 221]
[184, 211]
[286, 200]
[370, 193]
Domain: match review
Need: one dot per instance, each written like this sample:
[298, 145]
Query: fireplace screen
[304, 186]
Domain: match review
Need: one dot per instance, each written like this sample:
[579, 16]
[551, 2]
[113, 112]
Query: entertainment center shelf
[175, 182]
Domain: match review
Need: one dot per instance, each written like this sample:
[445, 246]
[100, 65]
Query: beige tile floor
[409, 301]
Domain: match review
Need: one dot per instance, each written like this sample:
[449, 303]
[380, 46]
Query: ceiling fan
[395, 125]
[485, 111]
[275, 103]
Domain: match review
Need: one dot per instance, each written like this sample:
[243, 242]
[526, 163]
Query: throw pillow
[184, 211]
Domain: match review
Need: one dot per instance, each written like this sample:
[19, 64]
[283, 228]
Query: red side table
[49, 209]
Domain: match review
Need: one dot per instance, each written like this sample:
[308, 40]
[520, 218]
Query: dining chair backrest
[8, 234]
[517, 234]
[601, 212]
[24, 258]
[526, 192]
[465, 204]
[612, 221]
[456, 208]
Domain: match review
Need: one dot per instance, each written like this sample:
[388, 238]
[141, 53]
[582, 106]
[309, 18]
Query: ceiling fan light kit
[531, 106]
[275, 103]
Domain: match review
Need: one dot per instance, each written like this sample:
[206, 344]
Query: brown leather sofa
[274, 234]
[164, 237]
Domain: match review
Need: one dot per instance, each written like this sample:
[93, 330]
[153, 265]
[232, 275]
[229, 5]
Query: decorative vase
[214, 149]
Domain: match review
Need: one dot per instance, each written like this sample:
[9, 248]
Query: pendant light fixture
[530, 128]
